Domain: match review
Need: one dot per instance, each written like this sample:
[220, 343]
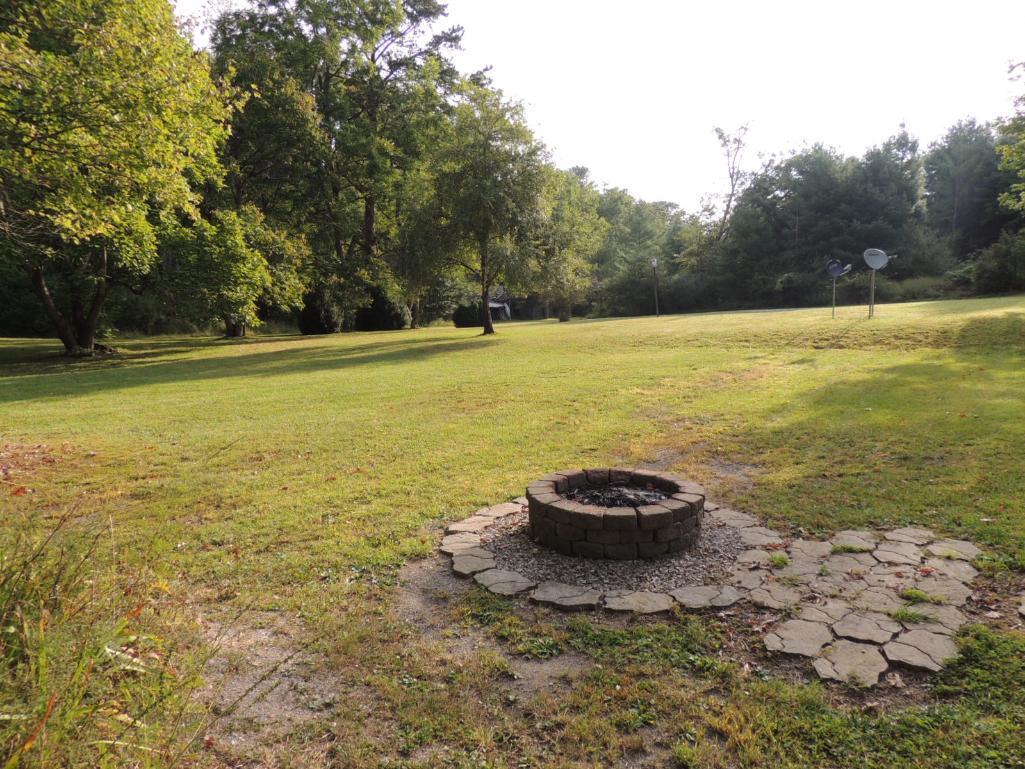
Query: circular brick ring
[670, 525]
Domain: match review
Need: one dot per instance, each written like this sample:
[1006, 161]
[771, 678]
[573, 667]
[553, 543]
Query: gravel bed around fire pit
[707, 561]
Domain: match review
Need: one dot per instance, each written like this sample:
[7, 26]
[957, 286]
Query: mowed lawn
[298, 474]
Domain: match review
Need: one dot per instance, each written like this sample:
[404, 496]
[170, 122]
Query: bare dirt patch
[263, 682]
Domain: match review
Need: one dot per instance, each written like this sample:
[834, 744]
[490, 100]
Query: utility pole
[654, 275]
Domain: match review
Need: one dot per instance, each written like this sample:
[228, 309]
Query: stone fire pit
[615, 513]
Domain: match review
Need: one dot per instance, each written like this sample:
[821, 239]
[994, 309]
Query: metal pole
[872, 295]
[834, 298]
[654, 274]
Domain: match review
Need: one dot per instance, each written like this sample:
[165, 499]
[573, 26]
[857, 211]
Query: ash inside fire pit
[616, 496]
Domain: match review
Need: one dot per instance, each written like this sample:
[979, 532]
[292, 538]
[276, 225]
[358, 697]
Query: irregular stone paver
[862, 540]
[846, 595]
[890, 576]
[706, 596]
[638, 601]
[1021, 609]
[828, 612]
[877, 599]
[800, 567]
[502, 510]
[566, 597]
[774, 595]
[754, 558]
[798, 636]
[844, 563]
[897, 553]
[922, 649]
[945, 620]
[504, 582]
[747, 578]
[734, 518]
[948, 567]
[855, 663]
[758, 536]
[810, 548]
[911, 534]
[949, 590]
[867, 626]
[954, 548]
[454, 543]
[475, 524]
[468, 565]
[521, 501]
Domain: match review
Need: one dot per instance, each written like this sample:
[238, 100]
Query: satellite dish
[876, 258]
[836, 268]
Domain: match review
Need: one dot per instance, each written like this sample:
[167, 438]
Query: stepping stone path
[854, 605]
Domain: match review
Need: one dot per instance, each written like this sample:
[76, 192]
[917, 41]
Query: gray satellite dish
[836, 269]
[876, 258]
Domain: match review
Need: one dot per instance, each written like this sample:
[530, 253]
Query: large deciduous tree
[107, 118]
[571, 234]
[348, 95]
[490, 182]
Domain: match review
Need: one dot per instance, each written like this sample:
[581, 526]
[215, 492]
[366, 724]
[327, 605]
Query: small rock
[566, 597]
[912, 535]
[798, 636]
[638, 601]
[855, 663]
[1021, 609]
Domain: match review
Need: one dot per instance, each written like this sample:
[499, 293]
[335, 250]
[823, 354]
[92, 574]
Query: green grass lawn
[297, 475]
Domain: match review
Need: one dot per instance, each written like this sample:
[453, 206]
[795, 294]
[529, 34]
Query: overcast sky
[633, 89]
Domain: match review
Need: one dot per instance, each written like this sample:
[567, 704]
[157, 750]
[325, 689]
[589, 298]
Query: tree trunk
[485, 290]
[86, 322]
[485, 300]
[564, 314]
[234, 329]
[64, 331]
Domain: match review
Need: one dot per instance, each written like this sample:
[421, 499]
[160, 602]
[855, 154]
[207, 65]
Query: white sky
[632, 89]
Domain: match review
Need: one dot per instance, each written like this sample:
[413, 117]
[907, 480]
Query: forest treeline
[324, 163]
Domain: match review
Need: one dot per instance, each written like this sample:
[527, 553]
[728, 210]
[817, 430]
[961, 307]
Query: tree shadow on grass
[935, 442]
[155, 367]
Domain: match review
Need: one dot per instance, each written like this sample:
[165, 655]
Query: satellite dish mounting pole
[836, 269]
[654, 274]
[876, 259]
[872, 295]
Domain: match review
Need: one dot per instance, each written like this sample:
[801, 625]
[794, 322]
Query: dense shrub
[1001, 267]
